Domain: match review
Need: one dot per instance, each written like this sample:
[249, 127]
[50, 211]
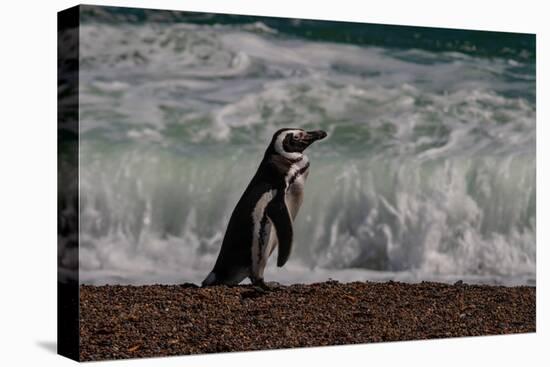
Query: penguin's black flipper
[279, 215]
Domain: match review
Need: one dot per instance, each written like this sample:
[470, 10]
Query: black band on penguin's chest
[298, 174]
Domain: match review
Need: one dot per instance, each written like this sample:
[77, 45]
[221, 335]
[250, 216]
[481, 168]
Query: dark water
[517, 46]
[428, 171]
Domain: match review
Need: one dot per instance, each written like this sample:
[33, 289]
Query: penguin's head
[291, 143]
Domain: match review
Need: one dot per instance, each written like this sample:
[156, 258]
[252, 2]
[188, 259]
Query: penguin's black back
[236, 249]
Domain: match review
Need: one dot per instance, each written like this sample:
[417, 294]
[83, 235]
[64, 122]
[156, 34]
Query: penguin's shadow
[256, 292]
[252, 294]
[48, 345]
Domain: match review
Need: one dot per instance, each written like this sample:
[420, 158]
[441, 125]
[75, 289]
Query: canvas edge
[68, 339]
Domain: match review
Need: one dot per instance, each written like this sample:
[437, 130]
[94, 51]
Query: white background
[28, 185]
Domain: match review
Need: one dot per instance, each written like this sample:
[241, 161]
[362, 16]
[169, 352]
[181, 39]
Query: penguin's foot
[261, 286]
[260, 289]
[274, 285]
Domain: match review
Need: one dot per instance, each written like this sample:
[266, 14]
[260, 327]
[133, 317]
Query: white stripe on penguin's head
[279, 147]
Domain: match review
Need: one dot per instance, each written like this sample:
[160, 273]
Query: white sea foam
[428, 171]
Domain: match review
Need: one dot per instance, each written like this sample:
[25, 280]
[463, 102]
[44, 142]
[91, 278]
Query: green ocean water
[428, 171]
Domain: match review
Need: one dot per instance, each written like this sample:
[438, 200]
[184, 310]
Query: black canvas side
[67, 177]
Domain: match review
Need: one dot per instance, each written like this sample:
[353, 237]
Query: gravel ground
[161, 320]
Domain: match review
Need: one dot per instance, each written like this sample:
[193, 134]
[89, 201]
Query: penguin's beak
[313, 136]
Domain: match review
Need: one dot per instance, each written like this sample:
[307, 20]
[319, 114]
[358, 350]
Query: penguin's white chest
[295, 191]
[295, 194]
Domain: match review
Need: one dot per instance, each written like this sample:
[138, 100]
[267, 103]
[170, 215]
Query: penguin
[263, 217]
